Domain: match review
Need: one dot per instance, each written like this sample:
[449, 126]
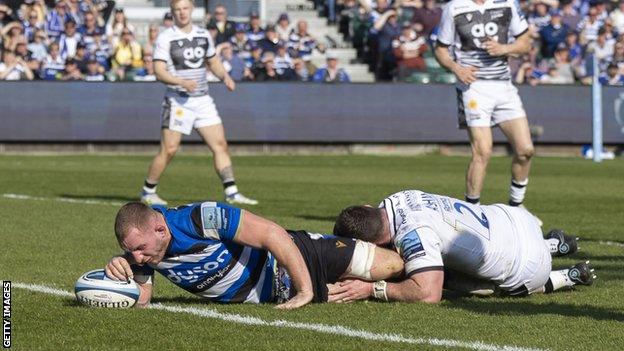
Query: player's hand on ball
[349, 291]
[495, 48]
[118, 268]
[302, 298]
[229, 83]
[189, 85]
[466, 74]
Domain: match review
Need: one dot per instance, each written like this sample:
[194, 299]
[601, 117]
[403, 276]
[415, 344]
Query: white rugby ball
[95, 289]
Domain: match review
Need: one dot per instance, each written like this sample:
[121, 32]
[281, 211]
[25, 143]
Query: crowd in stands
[89, 40]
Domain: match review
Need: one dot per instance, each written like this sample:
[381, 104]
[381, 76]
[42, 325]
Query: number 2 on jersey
[471, 221]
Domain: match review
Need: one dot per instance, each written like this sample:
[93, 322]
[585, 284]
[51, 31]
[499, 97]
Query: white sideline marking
[61, 199]
[319, 328]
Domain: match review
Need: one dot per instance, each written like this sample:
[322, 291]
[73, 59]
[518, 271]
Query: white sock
[230, 190]
[560, 279]
[517, 189]
[552, 244]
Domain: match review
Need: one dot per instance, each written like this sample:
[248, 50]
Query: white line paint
[319, 328]
[61, 199]
[611, 243]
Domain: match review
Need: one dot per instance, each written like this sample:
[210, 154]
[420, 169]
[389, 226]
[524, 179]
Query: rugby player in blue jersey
[229, 255]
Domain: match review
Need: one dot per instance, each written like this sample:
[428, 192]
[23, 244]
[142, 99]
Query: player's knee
[482, 154]
[168, 151]
[220, 146]
[525, 153]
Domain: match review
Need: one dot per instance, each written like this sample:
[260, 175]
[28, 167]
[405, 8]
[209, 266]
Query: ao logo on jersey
[480, 31]
[194, 57]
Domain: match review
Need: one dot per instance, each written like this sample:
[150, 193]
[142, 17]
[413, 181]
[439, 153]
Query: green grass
[52, 243]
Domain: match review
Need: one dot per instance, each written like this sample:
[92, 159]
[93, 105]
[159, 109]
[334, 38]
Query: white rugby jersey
[432, 231]
[185, 55]
[467, 25]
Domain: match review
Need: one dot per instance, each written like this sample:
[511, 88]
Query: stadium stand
[371, 40]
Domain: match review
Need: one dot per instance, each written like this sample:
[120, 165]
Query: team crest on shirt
[472, 104]
[180, 43]
[411, 246]
[179, 113]
[469, 17]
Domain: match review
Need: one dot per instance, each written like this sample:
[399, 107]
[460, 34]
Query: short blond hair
[173, 2]
[132, 215]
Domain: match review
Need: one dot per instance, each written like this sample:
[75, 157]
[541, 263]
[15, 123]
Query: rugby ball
[95, 289]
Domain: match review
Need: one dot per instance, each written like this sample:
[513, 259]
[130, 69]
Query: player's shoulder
[167, 33]
[455, 7]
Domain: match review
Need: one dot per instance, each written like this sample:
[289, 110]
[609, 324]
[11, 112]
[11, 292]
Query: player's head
[181, 11]
[360, 222]
[142, 232]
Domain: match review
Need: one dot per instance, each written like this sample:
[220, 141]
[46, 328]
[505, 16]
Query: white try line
[61, 199]
[318, 328]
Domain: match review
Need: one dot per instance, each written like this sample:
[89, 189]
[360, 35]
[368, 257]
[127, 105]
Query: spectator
[331, 73]
[569, 16]
[241, 45]
[225, 27]
[167, 21]
[38, 48]
[618, 56]
[152, 34]
[560, 69]
[100, 50]
[69, 40]
[553, 34]
[233, 64]
[267, 73]
[283, 62]
[55, 20]
[271, 40]
[94, 72]
[256, 66]
[589, 26]
[147, 73]
[303, 43]
[31, 25]
[388, 29]
[5, 15]
[53, 65]
[38, 7]
[575, 49]
[255, 32]
[527, 74]
[408, 49]
[612, 77]
[301, 70]
[14, 68]
[617, 17]
[73, 11]
[116, 26]
[89, 28]
[602, 49]
[283, 28]
[71, 71]
[81, 57]
[21, 52]
[428, 16]
[540, 17]
[126, 56]
[11, 34]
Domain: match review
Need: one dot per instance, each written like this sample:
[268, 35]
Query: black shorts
[327, 258]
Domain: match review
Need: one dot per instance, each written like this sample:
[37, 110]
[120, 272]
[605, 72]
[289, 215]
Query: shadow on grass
[519, 307]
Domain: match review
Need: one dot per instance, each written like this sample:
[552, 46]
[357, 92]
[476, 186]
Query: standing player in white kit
[478, 31]
[181, 55]
[498, 244]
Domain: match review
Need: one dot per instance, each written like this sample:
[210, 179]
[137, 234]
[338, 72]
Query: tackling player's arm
[164, 76]
[215, 65]
[119, 268]
[261, 233]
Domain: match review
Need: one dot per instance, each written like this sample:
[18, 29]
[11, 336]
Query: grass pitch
[50, 242]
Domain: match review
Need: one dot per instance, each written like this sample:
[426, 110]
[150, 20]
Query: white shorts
[183, 114]
[486, 103]
[534, 254]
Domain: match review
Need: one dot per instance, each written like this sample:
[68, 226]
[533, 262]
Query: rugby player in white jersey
[181, 55]
[224, 254]
[490, 248]
[478, 33]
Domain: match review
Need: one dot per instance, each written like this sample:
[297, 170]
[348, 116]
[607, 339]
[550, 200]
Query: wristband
[379, 290]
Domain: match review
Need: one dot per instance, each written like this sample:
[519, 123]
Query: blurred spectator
[408, 49]
[618, 56]
[270, 42]
[283, 28]
[53, 65]
[553, 34]
[255, 32]
[301, 70]
[152, 34]
[539, 17]
[303, 43]
[331, 73]
[428, 16]
[14, 68]
[21, 52]
[589, 26]
[389, 29]
[94, 72]
[575, 49]
[69, 40]
[38, 47]
[527, 74]
[73, 11]
[560, 70]
[32, 24]
[255, 63]
[225, 27]
[602, 49]
[55, 20]
[233, 64]
[241, 45]
[38, 7]
[147, 73]
[612, 77]
[115, 27]
[126, 56]
[89, 28]
[81, 57]
[267, 72]
[100, 50]
[617, 17]
[71, 71]
[5, 15]
[282, 61]
[11, 34]
[569, 16]
[167, 21]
